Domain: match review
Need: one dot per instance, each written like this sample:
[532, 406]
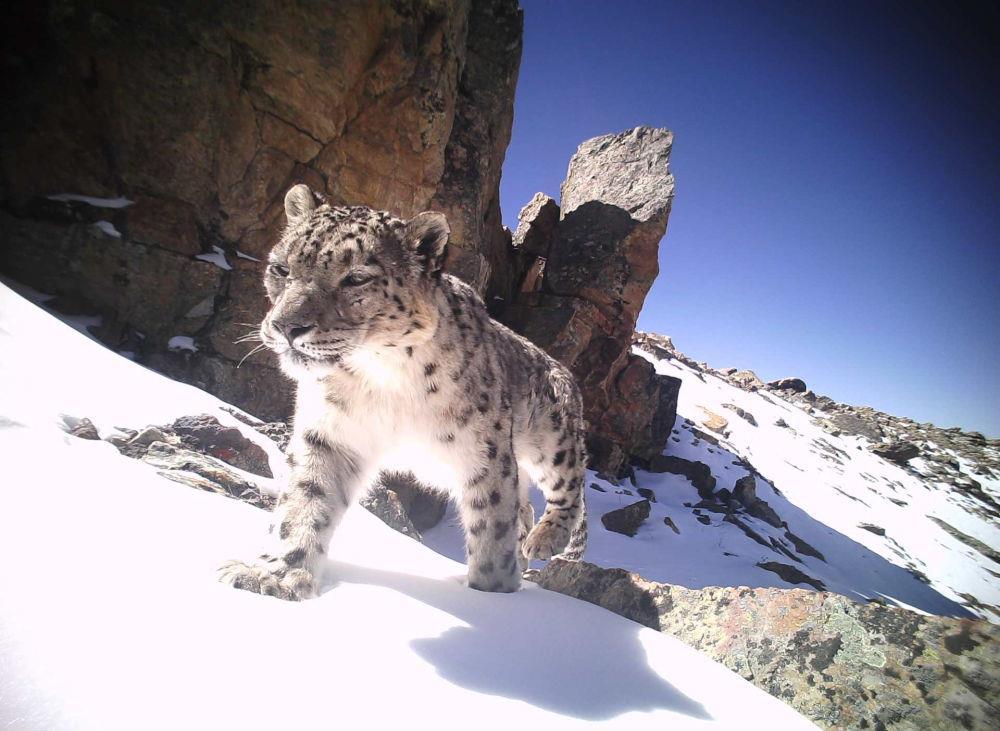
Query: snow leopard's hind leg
[525, 519]
[553, 453]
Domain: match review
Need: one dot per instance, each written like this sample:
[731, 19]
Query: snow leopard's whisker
[255, 350]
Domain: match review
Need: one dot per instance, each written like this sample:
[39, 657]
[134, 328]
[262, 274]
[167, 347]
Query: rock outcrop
[843, 665]
[177, 130]
[147, 149]
[699, 473]
[898, 452]
[601, 260]
[788, 384]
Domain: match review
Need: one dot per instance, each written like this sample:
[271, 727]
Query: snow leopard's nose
[294, 330]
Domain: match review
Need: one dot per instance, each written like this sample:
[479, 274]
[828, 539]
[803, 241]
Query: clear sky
[836, 214]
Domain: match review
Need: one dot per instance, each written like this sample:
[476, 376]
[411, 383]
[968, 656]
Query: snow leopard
[399, 368]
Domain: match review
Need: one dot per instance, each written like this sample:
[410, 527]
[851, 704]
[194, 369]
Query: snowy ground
[111, 617]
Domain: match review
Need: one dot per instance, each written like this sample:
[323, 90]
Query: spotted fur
[399, 367]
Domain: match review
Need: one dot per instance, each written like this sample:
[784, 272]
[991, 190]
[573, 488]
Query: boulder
[747, 380]
[898, 452]
[84, 429]
[839, 663]
[796, 385]
[387, 507]
[646, 493]
[640, 412]
[660, 347]
[715, 422]
[424, 507]
[628, 519]
[745, 491]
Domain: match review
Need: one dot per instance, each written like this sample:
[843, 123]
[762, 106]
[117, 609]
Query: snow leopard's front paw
[270, 577]
[545, 540]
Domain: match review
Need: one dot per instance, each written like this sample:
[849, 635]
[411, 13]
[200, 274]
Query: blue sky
[836, 213]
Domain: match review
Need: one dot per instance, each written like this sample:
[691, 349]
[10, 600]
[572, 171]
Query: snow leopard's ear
[300, 202]
[426, 234]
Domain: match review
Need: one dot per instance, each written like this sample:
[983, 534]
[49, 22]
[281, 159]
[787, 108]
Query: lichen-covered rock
[842, 664]
[222, 442]
[202, 472]
[747, 380]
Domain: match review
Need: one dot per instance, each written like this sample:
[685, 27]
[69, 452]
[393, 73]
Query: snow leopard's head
[345, 278]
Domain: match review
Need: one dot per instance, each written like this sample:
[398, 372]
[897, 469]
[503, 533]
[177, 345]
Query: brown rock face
[601, 261]
[536, 226]
[843, 665]
[203, 115]
[194, 119]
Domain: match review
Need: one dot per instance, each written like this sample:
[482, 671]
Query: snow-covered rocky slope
[922, 533]
[837, 515]
[111, 616]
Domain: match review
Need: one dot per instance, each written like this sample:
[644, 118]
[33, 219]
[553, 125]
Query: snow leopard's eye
[356, 279]
[278, 270]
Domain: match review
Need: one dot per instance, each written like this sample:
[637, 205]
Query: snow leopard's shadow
[519, 646]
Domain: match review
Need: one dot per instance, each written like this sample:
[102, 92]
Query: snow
[111, 616]
[108, 228]
[91, 200]
[182, 342]
[825, 501]
[217, 257]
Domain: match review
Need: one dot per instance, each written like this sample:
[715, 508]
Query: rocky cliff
[176, 128]
[147, 147]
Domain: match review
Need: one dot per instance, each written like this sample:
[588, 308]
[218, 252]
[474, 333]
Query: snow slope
[824, 487]
[830, 486]
[110, 615]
